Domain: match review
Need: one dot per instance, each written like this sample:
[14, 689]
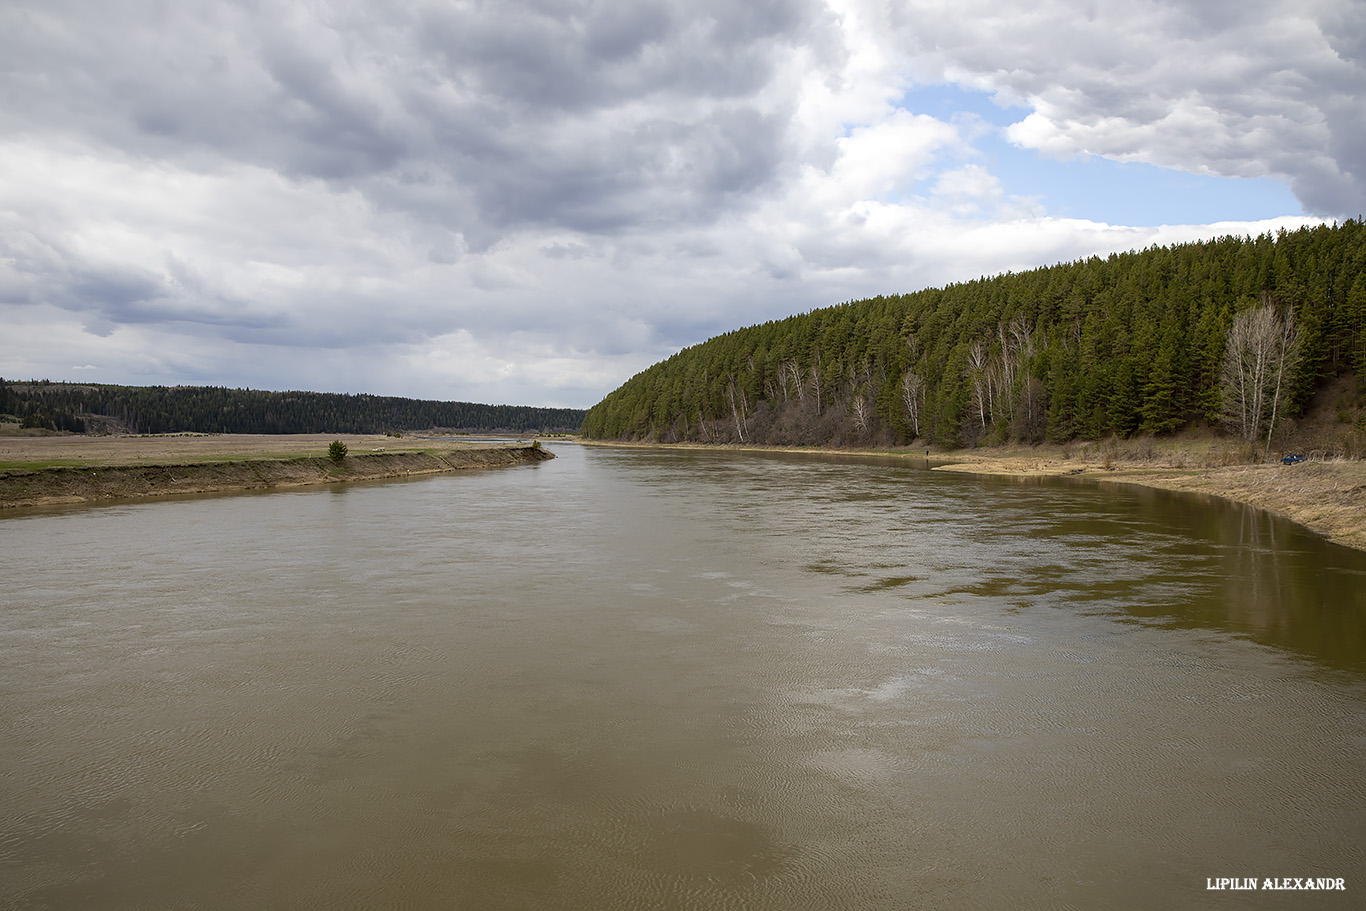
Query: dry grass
[1327, 495]
[106, 470]
[75, 451]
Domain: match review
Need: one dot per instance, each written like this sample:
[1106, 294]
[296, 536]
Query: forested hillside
[209, 409]
[1133, 343]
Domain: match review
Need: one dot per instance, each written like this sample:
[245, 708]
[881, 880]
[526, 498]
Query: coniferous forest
[1131, 344]
[210, 409]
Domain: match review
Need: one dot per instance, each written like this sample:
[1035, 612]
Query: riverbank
[58, 471]
[1327, 497]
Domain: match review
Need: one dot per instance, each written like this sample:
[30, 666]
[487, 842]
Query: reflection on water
[677, 679]
[1244, 569]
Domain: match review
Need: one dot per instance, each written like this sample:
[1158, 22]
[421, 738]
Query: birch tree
[858, 407]
[981, 382]
[1260, 360]
[913, 398]
[792, 380]
[815, 380]
[738, 409]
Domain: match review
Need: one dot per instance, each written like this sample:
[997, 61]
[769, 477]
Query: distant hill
[1129, 344]
[212, 409]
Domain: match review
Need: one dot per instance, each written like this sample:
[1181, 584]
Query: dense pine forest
[208, 409]
[1136, 343]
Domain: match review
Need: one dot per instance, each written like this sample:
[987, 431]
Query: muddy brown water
[644, 679]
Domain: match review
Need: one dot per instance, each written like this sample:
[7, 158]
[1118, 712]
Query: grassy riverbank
[56, 470]
[1326, 496]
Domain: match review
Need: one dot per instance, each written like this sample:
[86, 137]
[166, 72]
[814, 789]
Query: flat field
[63, 470]
[76, 451]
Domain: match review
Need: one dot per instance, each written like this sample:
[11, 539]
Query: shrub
[336, 450]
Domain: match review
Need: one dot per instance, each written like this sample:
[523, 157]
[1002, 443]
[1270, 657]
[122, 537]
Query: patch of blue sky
[1098, 189]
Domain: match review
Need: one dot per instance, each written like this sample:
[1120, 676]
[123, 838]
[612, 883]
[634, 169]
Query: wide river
[658, 679]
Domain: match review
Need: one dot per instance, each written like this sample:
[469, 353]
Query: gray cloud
[563, 191]
[546, 114]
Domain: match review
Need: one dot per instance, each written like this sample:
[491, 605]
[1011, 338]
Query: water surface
[628, 679]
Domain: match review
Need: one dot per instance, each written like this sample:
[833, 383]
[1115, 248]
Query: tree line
[212, 409]
[1128, 344]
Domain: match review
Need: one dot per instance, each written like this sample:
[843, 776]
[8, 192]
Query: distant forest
[1135, 343]
[210, 409]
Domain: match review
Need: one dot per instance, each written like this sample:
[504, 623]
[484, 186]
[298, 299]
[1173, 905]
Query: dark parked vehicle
[1292, 459]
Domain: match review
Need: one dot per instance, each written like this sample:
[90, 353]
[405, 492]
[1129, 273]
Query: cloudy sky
[528, 201]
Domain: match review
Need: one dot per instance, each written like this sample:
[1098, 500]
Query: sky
[529, 201]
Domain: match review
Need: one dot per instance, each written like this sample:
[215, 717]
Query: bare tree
[1017, 349]
[1260, 361]
[703, 431]
[792, 379]
[1003, 373]
[1023, 336]
[738, 409]
[913, 397]
[981, 382]
[814, 375]
[858, 407]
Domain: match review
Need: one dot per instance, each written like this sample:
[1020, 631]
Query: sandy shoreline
[69, 470]
[1327, 497]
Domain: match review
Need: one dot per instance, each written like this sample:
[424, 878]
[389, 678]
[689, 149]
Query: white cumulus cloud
[518, 201]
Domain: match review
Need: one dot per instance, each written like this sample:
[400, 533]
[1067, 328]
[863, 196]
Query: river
[632, 679]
